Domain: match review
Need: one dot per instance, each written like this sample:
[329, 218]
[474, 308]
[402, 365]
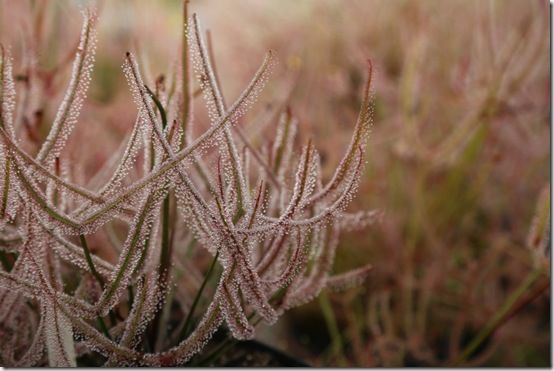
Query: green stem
[332, 328]
[6, 188]
[190, 315]
[498, 317]
[90, 262]
[165, 255]
[98, 277]
[159, 106]
[103, 327]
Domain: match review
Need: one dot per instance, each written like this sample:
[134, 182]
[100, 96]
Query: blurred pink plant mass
[200, 183]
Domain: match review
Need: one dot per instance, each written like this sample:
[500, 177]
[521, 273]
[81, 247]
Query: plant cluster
[264, 213]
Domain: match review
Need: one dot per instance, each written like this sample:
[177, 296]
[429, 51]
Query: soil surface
[252, 353]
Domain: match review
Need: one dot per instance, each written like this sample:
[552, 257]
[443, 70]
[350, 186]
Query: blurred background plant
[458, 155]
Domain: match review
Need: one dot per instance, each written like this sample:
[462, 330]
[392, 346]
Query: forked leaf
[359, 138]
[69, 110]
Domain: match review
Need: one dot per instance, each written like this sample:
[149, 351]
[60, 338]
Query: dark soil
[252, 353]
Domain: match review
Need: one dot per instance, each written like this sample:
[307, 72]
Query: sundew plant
[264, 213]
